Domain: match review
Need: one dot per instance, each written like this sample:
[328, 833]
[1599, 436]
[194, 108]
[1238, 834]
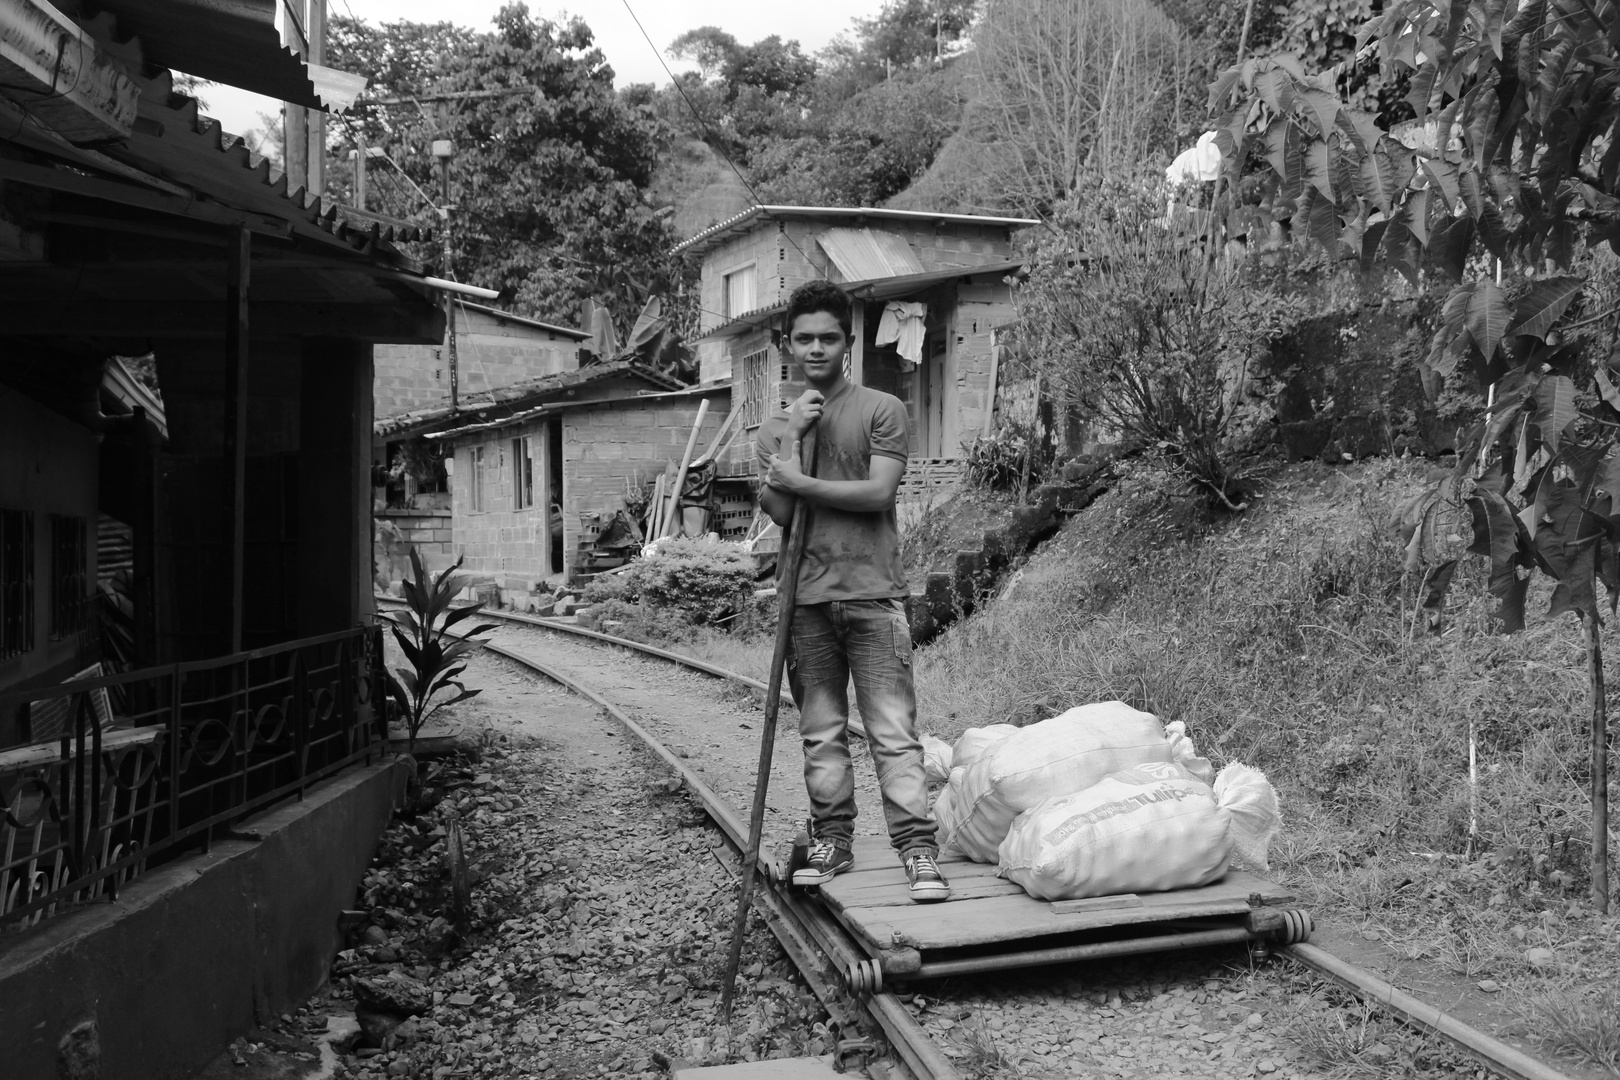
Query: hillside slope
[1284, 638]
[696, 181]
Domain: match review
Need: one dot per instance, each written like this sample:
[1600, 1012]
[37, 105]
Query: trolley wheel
[1296, 928]
[864, 977]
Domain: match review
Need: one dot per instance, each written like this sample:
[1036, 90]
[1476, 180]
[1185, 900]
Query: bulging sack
[978, 741]
[1150, 828]
[1056, 757]
[1248, 796]
[936, 759]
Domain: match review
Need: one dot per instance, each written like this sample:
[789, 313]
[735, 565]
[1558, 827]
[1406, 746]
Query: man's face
[818, 345]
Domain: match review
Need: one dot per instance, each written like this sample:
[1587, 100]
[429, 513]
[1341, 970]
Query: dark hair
[820, 295]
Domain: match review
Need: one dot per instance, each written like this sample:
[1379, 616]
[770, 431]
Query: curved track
[833, 966]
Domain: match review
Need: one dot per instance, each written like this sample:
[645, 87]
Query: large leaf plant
[436, 657]
[1506, 182]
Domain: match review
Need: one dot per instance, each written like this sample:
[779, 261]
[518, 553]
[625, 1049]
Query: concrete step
[807, 1068]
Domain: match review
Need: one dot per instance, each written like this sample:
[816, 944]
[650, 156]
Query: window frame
[70, 576]
[730, 309]
[17, 582]
[476, 478]
[522, 473]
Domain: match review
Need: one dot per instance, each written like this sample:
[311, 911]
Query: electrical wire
[709, 137]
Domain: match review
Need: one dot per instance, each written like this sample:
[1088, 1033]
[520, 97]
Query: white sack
[1185, 754]
[977, 741]
[1151, 828]
[1245, 793]
[1053, 758]
[936, 759]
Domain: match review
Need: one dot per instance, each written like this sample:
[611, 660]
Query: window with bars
[16, 582]
[755, 367]
[70, 576]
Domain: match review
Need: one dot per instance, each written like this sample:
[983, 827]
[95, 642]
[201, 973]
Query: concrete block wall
[491, 353]
[972, 328]
[605, 445]
[427, 532]
[499, 540]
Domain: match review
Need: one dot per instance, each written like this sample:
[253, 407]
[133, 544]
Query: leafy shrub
[702, 581]
[997, 461]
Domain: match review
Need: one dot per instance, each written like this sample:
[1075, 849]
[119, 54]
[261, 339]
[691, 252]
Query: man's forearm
[778, 505]
[866, 496]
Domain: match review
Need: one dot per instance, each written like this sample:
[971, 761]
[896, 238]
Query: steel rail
[1505, 1059]
[855, 728]
[923, 1058]
[798, 917]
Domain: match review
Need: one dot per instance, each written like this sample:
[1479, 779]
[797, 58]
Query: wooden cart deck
[990, 922]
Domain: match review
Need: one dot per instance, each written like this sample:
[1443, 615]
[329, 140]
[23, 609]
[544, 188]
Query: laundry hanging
[902, 323]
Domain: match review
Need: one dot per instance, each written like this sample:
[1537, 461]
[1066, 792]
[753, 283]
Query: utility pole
[443, 149]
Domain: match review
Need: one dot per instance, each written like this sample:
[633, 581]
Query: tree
[548, 180]
[709, 47]
[1074, 89]
[908, 31]
[771, 64]
[1507, 182]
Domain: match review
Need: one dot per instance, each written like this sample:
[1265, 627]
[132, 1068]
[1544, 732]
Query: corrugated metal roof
[740, 222]
[243, 43]
[862, 254]
[878, 288]
[524, 320]
[890, 288]
[515, 398]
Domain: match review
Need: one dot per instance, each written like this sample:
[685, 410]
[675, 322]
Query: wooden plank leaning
[787, 591]
[672, 519]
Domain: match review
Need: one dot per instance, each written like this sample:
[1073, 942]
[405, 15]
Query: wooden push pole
[786, 593]
[672, 522]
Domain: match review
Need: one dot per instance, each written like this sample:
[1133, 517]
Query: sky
[632, 59]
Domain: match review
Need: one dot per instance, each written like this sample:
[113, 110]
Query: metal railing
[143, 766]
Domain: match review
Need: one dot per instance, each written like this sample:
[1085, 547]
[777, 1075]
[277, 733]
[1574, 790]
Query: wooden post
[672, 523]
[316, 118]
[234, 451]
[1600, 766]
[857, 344]
[360, 166]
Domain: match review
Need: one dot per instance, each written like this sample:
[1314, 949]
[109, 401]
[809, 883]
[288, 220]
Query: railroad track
[839, 973]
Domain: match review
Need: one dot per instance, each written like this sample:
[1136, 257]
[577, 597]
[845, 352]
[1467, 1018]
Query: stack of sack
[1103, 799]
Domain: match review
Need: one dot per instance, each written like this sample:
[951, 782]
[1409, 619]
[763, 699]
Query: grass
[1284, 638]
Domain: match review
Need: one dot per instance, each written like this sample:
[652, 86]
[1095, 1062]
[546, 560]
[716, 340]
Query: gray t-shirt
[848, 554]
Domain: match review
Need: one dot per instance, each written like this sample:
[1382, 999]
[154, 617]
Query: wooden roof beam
[400, 322]
[65, 79]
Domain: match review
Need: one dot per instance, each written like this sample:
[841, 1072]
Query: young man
[849, 617]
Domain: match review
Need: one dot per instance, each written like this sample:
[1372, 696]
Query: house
[585, 442]
[930, 291]
[236, 498]
[417, 388]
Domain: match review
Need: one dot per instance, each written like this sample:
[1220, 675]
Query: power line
[709, 137]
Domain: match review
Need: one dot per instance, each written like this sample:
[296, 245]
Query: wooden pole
[234, 450]
[316, 121]
[655, 509]
[725, 425]
[786, 593]
[1600, 767]
[672, 521]
[360, 166]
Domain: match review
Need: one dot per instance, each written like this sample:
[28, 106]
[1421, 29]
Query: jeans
[870, 639]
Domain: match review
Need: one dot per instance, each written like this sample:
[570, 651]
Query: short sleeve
[768, 441]
[890, 435]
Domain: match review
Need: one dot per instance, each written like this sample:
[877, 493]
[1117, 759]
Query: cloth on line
[902, 323]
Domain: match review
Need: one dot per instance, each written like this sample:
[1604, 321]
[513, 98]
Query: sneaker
[927, 883]
[826, 860]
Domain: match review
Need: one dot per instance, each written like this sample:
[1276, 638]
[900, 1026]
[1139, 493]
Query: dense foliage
[548, 178]
[703, 582]
[1507, 183]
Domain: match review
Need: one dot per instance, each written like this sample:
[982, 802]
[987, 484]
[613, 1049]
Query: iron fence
[124, 772]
